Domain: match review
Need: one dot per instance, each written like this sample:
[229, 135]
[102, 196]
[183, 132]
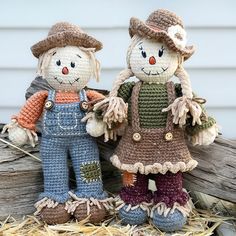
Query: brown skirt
[153, 153]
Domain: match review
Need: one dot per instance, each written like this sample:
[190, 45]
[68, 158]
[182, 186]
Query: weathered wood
[216, 171]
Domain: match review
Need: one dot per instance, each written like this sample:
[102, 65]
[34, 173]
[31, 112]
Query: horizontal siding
[212, 29]
[213, 47]
[112, 13]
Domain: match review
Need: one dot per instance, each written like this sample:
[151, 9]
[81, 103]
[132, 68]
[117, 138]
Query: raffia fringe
[116, 111]
[72, 205]
[162, 209]
[155, 168]
[45, 202]
[144, 205]
[180, 108]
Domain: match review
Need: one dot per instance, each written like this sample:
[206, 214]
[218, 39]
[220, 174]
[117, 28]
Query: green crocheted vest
[152, 99]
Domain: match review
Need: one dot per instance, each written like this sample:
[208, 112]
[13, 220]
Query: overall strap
[51, 95]
[82, 95]
[171, 97]
[134, 106]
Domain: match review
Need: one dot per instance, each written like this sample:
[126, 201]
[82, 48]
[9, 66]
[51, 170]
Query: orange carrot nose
[152, 60]
[65, 71]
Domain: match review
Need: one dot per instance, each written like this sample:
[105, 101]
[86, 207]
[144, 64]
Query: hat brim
[140, 28]
[63, 39]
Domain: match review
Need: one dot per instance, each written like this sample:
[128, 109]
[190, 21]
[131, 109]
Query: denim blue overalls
[63, 133]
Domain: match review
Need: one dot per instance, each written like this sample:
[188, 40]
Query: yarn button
[137, 137]
[84, 106]
[168, 136]
[49, 105]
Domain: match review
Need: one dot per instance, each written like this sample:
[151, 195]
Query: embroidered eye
[72, 64]
[161, 51]
[144, 54]
[58, 62]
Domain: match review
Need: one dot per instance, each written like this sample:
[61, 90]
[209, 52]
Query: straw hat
[163, 25]
[62, 34]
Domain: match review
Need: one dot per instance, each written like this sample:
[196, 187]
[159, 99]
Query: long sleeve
[125, 90]
[207, 121]
[32, 110]
[94, 95]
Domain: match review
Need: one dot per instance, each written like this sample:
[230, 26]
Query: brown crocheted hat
[163, 25]
[62, 34]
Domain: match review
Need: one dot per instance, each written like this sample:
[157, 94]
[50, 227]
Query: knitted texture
[159, 25]
[33, 108]
[137, 193]
[57, 215]
[96, 214]
[152, 99]
[170, 189]
[153, 153]
[172, 222]
[136, 216]
[62, 34]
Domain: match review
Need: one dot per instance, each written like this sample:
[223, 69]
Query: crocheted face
[152, 61]
[69, 69]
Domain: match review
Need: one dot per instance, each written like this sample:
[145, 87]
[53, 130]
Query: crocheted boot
[96, 214]
[56, 215]
[171, 222]
[135, 199]
[171, 202]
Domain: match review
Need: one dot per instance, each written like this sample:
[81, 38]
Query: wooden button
[137, 137]
[49, 105]
[168, 136]
[84, 105]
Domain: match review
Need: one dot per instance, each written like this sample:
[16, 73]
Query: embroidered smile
[157, 73]
[63, 82]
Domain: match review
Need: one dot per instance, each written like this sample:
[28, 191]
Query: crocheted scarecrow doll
[159, 113]
[66, 62]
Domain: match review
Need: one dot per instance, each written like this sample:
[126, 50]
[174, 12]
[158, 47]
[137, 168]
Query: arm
[32, 110]
[125, 91]
[200, 134]
[21, 130]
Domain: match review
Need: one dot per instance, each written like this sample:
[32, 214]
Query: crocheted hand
[206, 136]
[19, 135]
[94, 127]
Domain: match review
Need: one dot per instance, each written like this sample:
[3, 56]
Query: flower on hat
[178, 35]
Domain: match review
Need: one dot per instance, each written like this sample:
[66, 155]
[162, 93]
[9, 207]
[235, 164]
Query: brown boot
[56, 215]
[96, 214]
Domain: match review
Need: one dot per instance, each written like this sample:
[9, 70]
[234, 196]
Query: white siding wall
[211, 26]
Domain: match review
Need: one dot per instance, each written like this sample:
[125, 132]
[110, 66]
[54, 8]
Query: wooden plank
[215, 174]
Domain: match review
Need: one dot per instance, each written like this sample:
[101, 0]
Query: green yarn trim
[192, 130]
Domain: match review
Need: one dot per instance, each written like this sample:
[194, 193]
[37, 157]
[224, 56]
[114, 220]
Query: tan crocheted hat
[163, 25]
[62, 34]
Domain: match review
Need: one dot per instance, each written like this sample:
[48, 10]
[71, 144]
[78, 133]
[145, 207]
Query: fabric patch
[91, 172]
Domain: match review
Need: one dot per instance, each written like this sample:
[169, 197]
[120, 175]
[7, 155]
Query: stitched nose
[152, 60]
[65, 71]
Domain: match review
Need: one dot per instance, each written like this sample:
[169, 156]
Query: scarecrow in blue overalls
[67, 62]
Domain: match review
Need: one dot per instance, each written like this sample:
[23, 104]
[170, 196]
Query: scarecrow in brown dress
[159, 113]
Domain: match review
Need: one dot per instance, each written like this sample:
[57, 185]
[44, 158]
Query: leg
[86, 164]
[52, 200]
[171, 202]
[135, 198]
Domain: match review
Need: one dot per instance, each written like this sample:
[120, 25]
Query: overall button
[84, 105]
[137, 137]
[49, 105]
[168, 136]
